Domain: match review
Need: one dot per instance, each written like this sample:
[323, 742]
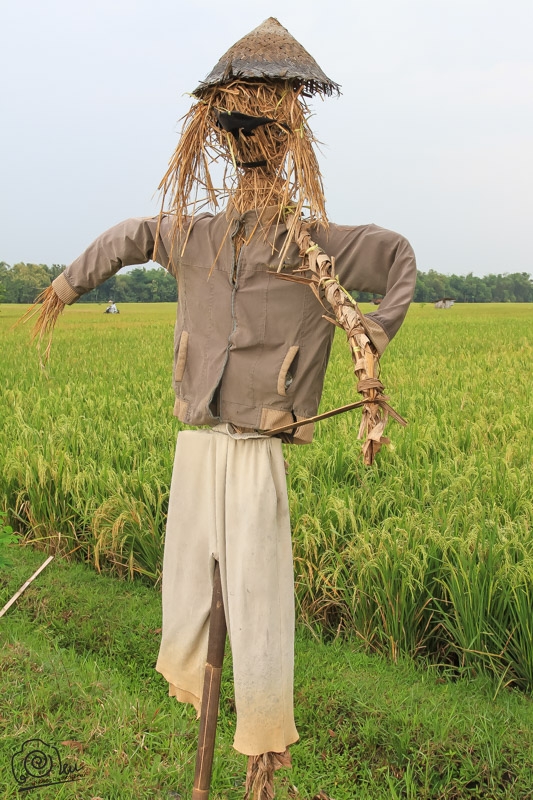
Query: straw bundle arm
[318, 271]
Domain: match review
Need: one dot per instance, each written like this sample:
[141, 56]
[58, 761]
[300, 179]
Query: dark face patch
[236, 123]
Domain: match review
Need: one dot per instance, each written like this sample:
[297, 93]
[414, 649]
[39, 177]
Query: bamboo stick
[211, 692]
[23, 588]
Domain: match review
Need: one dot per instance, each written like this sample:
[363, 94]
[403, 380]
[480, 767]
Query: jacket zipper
[236, 250]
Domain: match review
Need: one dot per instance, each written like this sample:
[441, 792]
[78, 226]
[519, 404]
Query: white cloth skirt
[228, 502]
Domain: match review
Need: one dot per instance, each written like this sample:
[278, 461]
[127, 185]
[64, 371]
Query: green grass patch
[77, 671]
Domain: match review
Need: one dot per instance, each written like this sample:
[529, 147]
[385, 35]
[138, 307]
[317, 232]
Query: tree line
[21, 283]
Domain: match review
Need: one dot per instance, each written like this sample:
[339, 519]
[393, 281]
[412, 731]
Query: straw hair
[290, 179]
[269, 52]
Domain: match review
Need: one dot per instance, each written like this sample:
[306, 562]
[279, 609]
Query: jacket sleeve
[128, 243]
[372, 259]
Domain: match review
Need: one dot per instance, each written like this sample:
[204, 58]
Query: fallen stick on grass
[23, 588]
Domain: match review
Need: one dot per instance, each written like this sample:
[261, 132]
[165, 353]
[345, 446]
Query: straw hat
[269, 52]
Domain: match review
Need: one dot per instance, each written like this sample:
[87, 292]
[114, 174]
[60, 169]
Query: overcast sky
[432, 136]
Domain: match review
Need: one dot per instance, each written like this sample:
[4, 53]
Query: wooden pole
[211, 692]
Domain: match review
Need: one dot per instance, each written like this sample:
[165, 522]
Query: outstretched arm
[128, 243]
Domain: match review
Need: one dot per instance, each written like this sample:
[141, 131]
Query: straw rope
[260, 774]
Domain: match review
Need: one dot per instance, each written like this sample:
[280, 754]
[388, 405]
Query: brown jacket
[249, 348]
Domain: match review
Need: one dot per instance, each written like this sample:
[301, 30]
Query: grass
[427, 554]
[76, 670]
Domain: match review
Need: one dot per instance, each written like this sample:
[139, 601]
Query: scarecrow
[260, 284]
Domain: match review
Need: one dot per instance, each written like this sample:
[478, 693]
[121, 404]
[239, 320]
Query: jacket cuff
[376, 333]
[64, 290]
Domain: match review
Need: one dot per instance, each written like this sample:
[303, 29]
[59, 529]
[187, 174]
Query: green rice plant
[485, 612]
[474, 608]
[426, 553]
[519, 649]
[126, 534]
[400, 581]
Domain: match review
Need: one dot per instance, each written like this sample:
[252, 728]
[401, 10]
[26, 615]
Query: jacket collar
[255, 217]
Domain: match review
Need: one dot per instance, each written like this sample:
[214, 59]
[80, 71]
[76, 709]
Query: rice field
[428, 553]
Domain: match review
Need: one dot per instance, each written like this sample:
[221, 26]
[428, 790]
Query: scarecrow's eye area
[241, 125]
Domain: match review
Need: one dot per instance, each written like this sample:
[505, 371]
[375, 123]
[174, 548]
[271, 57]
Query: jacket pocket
[285, 376]
[181, 358]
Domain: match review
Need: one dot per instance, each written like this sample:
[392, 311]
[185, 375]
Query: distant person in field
[111, 308]
[250, 354]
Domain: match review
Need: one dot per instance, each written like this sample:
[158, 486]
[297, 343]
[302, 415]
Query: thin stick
[211, 692]
[23, 588]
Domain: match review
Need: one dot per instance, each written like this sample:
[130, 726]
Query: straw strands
[290, 176]
[48, 306]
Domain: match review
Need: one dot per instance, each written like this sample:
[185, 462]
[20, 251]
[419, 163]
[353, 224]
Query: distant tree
[363, 297]
[421, 292]
[54, 270]
[522, 287]
[23, 282]
[4, 279]
[435, 286]
[456, 288]
[106, 291]
[430, 287]
[26, 281]
[164, 286]
[475, 290]
[139, 285]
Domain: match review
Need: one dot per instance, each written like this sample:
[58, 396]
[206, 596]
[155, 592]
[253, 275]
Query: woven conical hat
[270, 52]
